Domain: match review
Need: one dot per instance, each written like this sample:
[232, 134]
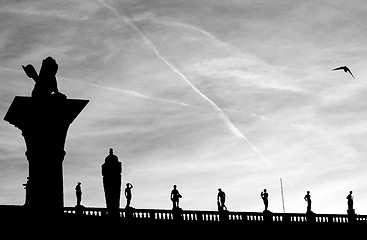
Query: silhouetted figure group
[113, 165]
[221, 199]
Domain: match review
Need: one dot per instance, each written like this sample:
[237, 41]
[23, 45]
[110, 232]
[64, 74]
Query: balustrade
[215, 216]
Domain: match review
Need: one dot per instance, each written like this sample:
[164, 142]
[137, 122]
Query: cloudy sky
[204, 94]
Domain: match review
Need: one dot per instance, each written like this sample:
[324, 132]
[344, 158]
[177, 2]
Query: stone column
[44, 124]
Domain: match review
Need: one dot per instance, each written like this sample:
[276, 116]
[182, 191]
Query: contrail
[132, 93]
[196, 29]
[215, 107]
[141, 95]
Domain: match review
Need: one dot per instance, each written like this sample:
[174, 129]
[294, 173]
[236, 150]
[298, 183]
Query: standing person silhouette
[78, 192]
[264, 195]
[350, 201]
[221, 199]
[128, 194]
[308, 200]
[175, 196]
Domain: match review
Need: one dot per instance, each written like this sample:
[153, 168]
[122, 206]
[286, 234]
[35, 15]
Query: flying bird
[345, 68]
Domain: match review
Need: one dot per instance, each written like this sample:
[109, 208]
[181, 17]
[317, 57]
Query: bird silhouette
[345, 68]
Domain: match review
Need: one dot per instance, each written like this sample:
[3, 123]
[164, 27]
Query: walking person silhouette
[175, 196]
[78, 192]
[128, 194]
[221, 199]
[264, 195]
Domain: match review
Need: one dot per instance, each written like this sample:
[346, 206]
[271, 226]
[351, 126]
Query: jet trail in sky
[165, 100]
[132, 93]
[215, 107]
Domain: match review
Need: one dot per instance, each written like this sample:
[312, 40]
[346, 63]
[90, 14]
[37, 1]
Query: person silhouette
[221, 199]
[264, 195]
[350, 201]
[78, 192]
[175, 196]
[308, 200]
[128, 194]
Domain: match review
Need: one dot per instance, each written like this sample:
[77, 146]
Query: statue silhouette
[44, 120]
[111, 172]
[175, 196]
[45, 81]
[78, 192]
[308, 200]
[128, 194]
[264, 195]
[221, 199]
[350, 201]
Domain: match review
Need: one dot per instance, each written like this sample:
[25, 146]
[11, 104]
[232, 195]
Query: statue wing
[31, 72]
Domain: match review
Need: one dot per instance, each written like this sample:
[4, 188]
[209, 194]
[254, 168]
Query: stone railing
[216, 216]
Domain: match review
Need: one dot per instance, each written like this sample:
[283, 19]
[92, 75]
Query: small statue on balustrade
[175, 197]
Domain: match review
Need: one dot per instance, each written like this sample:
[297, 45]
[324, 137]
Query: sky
[204, 94]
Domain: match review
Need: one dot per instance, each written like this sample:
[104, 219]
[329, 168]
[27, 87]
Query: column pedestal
[44, 124]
